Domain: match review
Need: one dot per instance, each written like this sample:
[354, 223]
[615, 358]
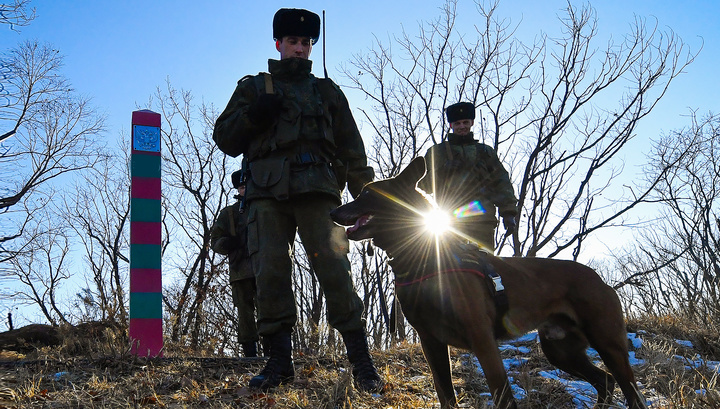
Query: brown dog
[449, 303]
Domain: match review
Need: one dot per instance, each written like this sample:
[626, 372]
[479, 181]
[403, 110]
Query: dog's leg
[564, 345]
[608, 336]
[438, 358]
[612, 347]
[485, 348]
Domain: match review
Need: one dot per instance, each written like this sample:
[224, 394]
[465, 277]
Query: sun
[437, 221]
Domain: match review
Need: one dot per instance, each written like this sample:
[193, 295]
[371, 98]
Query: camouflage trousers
[272, 226]
[243, 295]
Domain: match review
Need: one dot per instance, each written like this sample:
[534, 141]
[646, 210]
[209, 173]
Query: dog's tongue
[358, 223]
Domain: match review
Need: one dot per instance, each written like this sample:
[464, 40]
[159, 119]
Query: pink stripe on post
[145, 188]
[146, 118]
[145, 280]
[145, 233]
[136, 152]
[146, 336]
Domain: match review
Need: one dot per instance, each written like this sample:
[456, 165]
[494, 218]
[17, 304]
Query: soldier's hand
[226, 245]
[265, 108]
[510, 225]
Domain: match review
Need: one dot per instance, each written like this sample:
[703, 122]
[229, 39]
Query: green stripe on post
[145, 256]
[145, 166]
[145, 305]
[145, 210]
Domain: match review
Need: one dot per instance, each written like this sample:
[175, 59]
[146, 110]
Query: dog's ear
[413, 172]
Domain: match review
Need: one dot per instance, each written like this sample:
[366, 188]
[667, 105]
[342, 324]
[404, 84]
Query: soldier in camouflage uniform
[466, 176]
[228, 236]
[303, 146]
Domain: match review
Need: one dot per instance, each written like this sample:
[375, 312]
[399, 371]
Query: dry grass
[105, 375]
[675, 372]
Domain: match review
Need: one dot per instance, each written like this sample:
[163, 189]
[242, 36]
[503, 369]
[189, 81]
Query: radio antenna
[324, 42]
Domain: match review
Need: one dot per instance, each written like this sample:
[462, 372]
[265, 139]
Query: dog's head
[386, 208]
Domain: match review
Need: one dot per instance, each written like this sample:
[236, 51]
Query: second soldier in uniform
[228, 236]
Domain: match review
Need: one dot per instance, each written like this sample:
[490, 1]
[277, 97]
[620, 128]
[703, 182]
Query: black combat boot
[249, 349]
[366, 377]
[279, 368]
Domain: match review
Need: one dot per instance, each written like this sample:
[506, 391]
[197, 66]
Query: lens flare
[470, 209]
[437, 221]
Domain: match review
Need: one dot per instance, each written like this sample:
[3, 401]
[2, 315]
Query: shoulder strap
[268, 83]
[247, 77]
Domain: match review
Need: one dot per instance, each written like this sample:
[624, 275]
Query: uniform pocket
[267, 172]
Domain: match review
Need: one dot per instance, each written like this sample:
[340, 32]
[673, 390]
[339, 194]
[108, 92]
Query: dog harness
[471, 261]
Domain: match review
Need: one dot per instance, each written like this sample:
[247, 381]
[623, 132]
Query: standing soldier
[467, 176]
[228, 236]
[303, 146]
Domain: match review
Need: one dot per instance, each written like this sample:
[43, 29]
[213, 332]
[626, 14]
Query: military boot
[279, 368]
[364, 373]
[249, 349]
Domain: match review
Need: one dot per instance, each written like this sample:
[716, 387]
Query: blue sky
[118, 52]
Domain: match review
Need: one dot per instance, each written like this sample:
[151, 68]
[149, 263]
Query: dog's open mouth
[359, 223]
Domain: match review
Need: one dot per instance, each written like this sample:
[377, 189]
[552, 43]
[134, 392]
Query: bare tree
[99, 215]
[558, 110]
[675, 266]
[16, 14]
[54, 136]
[194, 176]
[38, 274]
[54, 128]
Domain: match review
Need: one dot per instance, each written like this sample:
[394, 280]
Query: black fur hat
[296, 22]
[238, 179]
[461, 110]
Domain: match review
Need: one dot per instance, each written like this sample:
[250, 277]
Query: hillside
[675, 369]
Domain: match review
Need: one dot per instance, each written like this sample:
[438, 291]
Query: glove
[510, 225]
[265, 108]
[227, 245]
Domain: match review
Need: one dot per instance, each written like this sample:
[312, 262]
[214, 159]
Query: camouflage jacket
[461, 170]
[312, 146]
[228, 236]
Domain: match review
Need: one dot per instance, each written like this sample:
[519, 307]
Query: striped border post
[145, 332]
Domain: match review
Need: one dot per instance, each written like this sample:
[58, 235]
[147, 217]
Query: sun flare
[437, 221]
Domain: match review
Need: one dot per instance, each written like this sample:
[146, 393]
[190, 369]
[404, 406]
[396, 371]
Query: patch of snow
[635, 340]
[684, 343]
[513, 363]
[584, 395]
[635, 361]
[520, 349]
[529, 337]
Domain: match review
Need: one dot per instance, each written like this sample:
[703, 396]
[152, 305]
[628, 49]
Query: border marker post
[145, 331]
